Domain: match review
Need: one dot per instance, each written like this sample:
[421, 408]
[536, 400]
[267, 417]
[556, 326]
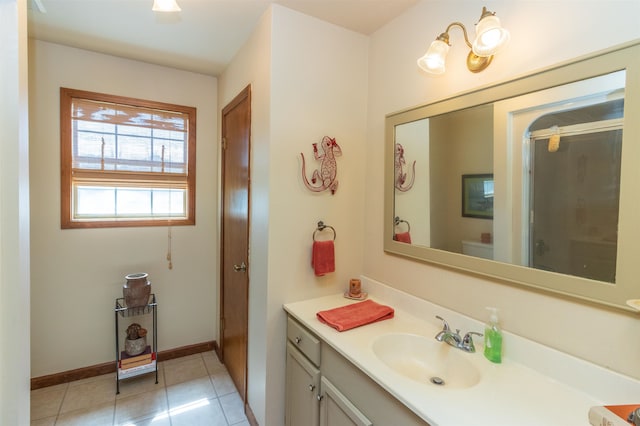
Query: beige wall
[463, 142]
[14, 215]
[542, 33]
[308, 80]
[319, 87]
[76, 274]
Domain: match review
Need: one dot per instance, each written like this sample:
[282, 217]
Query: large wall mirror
[534, 181]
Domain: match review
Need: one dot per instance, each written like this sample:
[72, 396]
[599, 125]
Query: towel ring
[397, 221]
[322, 227]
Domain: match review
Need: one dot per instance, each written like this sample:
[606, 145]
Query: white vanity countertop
[543, 387]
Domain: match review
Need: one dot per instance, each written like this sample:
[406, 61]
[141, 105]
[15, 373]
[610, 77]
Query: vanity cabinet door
[336, 409]
[302, 387]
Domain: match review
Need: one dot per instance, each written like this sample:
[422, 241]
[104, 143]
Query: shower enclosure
[574, 190]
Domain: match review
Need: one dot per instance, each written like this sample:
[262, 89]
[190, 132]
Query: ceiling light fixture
[165, 6]
[490, 38]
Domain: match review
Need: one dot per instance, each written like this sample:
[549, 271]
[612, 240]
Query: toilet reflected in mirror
[477, 249]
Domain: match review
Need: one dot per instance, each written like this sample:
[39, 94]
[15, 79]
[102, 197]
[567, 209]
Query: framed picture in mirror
[477, 196]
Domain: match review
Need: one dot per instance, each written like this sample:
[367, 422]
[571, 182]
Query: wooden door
[234, 286]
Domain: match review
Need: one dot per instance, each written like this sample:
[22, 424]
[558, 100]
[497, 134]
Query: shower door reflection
[574, 199]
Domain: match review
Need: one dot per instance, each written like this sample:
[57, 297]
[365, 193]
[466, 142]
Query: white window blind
[123, 138]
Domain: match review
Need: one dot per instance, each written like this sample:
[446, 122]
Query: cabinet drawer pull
[312, 387]
[298, 339]
[319, 397]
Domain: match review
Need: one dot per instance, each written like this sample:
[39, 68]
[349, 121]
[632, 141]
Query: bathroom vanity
[380, 373]
[324, 388]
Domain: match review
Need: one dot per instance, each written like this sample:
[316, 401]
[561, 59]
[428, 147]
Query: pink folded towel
[323, 257]
[403, 237]
[355, 315]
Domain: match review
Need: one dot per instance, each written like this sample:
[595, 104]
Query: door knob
[541, 247]
[240, 268]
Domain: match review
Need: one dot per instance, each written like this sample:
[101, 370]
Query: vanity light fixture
[165, 6]
[490, 38]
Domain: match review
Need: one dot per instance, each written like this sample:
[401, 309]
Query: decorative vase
[136, 290]
[135, 347]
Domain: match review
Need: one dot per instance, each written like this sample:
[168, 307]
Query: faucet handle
[467, 341]
[445, 325]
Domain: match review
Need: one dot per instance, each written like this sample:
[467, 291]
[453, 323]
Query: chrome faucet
[446, 335]
[454, 339]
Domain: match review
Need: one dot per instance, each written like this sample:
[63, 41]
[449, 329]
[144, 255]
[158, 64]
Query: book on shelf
[128, 361]
[137, 360]
[138, 369]
[611, 415]
[126, 356]
[136, 364]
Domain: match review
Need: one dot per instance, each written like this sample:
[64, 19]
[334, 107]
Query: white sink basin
[426, 360]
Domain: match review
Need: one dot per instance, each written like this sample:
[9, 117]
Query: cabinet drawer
[302, 339]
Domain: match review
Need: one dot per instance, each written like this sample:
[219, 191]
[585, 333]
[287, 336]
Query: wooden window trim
[66, 160]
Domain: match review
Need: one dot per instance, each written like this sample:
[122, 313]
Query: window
[126, 162]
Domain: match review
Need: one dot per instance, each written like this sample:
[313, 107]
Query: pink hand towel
[403, 237]
[323, 257]
[355, 315]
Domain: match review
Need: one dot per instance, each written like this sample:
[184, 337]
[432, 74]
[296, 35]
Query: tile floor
[194, 390]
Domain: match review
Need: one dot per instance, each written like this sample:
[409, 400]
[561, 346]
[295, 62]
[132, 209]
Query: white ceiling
[203, 37]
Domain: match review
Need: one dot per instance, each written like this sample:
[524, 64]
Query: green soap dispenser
[493, 338]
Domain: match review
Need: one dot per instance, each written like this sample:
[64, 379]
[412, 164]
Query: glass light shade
[490, 36]
[433, 61]
[165, 6]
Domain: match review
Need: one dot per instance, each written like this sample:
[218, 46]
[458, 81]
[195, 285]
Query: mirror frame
[627, 286]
